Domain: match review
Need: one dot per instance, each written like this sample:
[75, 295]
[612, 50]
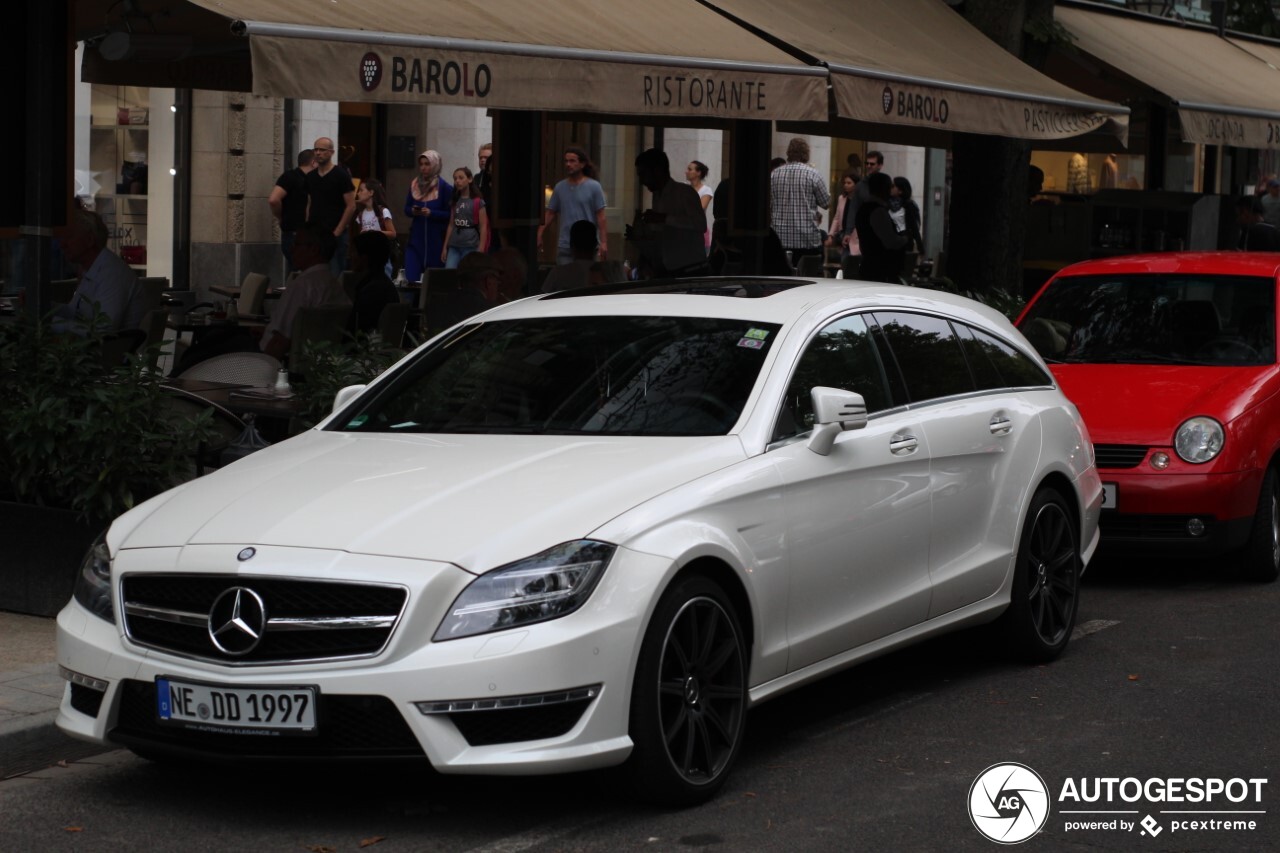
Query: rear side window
[997, 364]
[927, 353]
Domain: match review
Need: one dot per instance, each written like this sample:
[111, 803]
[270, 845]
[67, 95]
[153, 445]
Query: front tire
[1046, 581]
[1261, 558]
[689, 699]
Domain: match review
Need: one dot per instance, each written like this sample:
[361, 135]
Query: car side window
[980, 359]
[1014, 369]
[928, 353]
[841, 355]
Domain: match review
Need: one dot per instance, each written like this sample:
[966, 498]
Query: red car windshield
[1155, 319]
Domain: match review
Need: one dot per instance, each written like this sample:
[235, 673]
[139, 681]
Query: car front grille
[303, 620]
[1119, 455]
[347, 727]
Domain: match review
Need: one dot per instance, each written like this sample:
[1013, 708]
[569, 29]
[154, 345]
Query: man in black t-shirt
[288, 202]
[332, 199]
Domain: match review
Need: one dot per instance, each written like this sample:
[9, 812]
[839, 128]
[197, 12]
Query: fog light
[1195, 527]
[1160, 460]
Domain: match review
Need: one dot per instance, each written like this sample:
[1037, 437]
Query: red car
[1171, 359]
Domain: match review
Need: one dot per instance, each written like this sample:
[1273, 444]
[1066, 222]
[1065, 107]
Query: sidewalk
[30, 691]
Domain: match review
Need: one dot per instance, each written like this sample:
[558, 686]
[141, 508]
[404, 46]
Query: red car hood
[1145, 403]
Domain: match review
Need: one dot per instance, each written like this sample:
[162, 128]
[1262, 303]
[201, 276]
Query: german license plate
[1108, 495]
[236, 710]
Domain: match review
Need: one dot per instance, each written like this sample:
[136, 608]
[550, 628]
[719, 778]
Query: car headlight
[93, 583]
[1199, 440]
[545, 586]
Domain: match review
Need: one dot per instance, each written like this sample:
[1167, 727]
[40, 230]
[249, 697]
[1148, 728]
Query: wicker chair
[253, 368]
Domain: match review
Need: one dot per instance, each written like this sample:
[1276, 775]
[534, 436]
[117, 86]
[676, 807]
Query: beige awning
[919, 63]
[1225, 95]
[661, 58]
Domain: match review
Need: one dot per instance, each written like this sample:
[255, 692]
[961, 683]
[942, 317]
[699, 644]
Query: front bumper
[1157, 509]
[369, 708]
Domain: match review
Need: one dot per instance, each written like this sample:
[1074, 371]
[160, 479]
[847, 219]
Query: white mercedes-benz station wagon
[594, 528]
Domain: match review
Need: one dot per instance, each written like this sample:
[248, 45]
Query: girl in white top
[696, 174]
[372, 213]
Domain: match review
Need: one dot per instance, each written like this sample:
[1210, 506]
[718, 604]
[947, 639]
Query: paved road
[1174, 679]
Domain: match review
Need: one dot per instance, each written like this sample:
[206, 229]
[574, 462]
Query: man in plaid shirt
[798, 193]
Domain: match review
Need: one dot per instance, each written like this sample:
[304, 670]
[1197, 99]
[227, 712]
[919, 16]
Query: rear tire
[689, 699]
[1261, 557]
[1046, 581]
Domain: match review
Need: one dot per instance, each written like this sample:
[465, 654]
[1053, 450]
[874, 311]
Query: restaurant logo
[886, 100]
[1008, 803]
[370, 71]
[434, 77]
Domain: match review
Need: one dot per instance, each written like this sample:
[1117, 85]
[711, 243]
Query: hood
[1144, 403]
[477, 501]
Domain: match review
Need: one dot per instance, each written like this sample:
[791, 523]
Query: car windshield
[651, 376]
[1155, 319]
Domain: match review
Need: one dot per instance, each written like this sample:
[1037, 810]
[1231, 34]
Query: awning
[663, 58]
[918, 63]
[1225, 95]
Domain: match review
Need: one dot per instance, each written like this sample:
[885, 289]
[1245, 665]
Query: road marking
[1093, 626]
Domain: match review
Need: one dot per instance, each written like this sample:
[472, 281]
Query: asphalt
[30, 691]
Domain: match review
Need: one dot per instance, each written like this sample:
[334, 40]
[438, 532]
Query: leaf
[369, 842]
[73, 829]
[1133, 678]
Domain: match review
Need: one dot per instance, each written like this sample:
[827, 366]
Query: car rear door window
[998, 364]
[928, 354]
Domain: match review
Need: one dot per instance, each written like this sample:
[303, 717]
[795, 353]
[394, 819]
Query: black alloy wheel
[689, 701]
[1046, 582]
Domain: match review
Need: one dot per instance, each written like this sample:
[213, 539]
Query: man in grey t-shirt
[579, 196]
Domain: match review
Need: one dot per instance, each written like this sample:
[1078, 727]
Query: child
[469, 226]
[372, 214]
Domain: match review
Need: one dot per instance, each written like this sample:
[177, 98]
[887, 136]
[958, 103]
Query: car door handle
[903, 444]
[1000, 425]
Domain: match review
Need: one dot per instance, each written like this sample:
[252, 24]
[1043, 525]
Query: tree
[989, 173]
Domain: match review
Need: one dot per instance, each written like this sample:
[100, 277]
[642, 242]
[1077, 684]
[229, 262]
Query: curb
[33, 742]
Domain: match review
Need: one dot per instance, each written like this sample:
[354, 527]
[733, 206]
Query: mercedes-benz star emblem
[237, 621]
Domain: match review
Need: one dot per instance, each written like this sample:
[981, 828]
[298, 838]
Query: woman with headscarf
[428, 204]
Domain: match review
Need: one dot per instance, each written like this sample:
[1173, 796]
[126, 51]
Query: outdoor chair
[252, 291]
[184, 405]
[810, 266]
[256, 369]
[392, 323]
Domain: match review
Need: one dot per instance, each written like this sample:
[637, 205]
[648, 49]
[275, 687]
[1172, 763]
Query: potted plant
[81, 441]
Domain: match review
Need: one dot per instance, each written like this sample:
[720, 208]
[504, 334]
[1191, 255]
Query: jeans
[338, 263]
[455, 256]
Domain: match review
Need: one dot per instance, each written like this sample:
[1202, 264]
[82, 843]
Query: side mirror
[346, 395]
[834, 410]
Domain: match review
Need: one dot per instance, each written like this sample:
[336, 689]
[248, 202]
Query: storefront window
[1083, 174]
